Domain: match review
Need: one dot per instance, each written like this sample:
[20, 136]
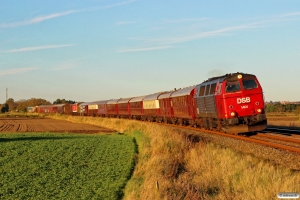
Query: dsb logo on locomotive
[243, 100]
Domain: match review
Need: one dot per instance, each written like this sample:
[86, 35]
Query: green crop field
[65, 166]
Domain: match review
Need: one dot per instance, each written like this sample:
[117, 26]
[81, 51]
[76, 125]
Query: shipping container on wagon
[124, 107]
[166, 110]
[151, 106]
[183, 103]
[102, 110]
[112, 107]
[136, 107]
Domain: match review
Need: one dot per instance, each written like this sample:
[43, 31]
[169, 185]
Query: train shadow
[249, 134]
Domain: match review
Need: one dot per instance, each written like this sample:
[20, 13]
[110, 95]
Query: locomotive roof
[227, 76]
[183, 91]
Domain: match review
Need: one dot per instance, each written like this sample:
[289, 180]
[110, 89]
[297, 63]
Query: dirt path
[47, 125]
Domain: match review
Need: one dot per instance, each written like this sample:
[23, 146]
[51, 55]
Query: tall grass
[21, 115]
[176, 165]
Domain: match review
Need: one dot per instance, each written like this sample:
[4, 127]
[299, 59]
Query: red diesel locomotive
[232, 103]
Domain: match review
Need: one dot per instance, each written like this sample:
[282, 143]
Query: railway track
[283, 140]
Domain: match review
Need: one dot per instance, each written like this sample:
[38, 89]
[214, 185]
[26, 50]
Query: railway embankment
[173, 163]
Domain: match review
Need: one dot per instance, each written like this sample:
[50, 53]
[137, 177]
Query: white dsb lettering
[243, 100]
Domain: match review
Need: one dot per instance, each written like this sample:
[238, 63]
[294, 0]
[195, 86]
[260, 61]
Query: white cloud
[196, 30]
[207, 34]
[185, 20]
[60, 14]
[109, 6]
[63, 68]
[292, 14]
[16, 71]
[143, 49]
[126, 22]
[36, 19]
[39, 48]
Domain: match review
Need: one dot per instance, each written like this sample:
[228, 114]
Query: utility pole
[6, 94]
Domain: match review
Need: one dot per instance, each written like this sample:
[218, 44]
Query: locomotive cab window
[207, 90]
[249, 84]
[213, 88]
[232, 86]
[201, 92]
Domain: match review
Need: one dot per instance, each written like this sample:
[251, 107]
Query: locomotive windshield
[232, 86]
[249, 84]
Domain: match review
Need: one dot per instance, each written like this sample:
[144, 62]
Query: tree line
[278, 107]
[22, 105]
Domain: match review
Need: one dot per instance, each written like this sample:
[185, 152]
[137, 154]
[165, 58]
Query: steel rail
[248, 139]
[281, 138]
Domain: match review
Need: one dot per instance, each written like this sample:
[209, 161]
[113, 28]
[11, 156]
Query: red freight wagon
[151, 107]
[166, 110]
[102, 111]
[55, 108]
[124, 107]
[93, 108]
[183, 104]
[67, 109]
[84, 108]
[75, 108]
[112, 108]
[136, 107]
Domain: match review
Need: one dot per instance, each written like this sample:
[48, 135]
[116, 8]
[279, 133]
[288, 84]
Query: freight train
[232, 103]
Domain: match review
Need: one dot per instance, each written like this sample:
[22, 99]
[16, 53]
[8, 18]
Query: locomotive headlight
[258, 110]
[232, 114]
[240, 76]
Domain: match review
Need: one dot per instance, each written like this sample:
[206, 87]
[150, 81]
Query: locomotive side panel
[206, 101]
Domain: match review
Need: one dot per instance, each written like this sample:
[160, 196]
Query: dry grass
[174, 165]
[284, 123]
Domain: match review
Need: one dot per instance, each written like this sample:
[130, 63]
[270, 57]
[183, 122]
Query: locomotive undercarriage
[245, 124]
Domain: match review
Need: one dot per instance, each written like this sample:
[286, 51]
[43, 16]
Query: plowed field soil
[47, 125]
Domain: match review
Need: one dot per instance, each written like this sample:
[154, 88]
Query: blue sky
[99, 49]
